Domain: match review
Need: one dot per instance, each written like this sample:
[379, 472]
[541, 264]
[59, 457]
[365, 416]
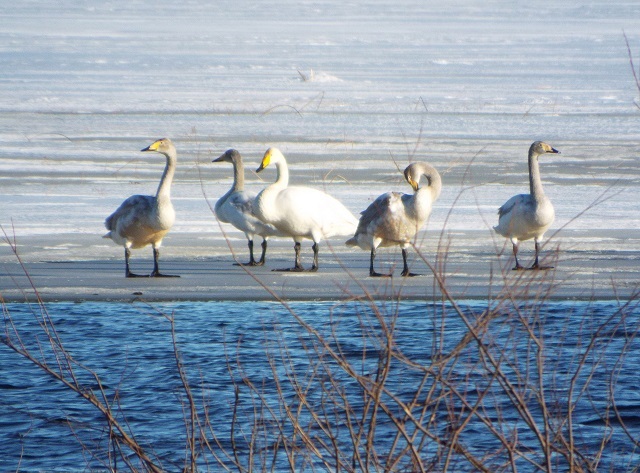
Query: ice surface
[350, 92]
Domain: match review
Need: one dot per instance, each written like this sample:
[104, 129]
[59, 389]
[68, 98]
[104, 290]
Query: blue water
[228, 347]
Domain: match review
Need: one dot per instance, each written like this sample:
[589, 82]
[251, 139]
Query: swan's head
[540, 147]
[414, 172]
[272, 155]
[229, 156]
[411, 177]
[163, 146]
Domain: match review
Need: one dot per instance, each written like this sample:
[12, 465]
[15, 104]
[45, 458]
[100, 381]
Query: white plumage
[236, 208]
[300, 212]
[143, 220]
[395, 218]
[527, 216]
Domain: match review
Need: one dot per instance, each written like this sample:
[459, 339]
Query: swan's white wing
[519, 202]
[516, 217]
[304, 211]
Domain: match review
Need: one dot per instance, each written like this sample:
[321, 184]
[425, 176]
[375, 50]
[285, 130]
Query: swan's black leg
[127, 273]
[263, 256]
[372, 272]
[298, 265]
[252, 261]
[515, 255]
[536, 265]
[316, 249]
[156, 272]
[405, 270]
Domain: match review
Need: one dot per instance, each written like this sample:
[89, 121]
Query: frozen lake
[349, 93]
[342, 89]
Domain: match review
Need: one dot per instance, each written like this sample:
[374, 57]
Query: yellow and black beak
[265, 161]
[152, 147]
[412, 183]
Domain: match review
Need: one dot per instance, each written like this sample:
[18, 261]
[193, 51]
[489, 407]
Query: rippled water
[226, 345]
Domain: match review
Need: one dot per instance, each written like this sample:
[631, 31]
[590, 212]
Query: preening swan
[144, 219]
[527, 216]
[236, 208]
[300, 212]
[395, 218]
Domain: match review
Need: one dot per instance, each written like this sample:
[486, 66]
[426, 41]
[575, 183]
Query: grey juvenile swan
[527, 216]
[300, 212]
[395, 218]
[145, 219]
[236, 208]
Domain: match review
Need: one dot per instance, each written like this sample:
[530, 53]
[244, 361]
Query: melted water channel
[228, 347]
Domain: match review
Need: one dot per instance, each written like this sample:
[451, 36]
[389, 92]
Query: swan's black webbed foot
[158, 274]
[295, 269]
[540, 268]
[250, 263]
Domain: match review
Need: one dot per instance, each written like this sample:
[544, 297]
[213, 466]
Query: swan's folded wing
[380, 209]
[242, 202]
[132, 209]
[510, 204]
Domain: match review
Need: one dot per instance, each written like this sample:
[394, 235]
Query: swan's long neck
[265, 208]
[435, 184]
[238, 176]
[426, 195]
[282, 174]
[535, 183]
[434, 180]
[164, 189]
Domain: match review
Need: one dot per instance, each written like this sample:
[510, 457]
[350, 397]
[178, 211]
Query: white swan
[300, 212]
[236, 208]
[144, 219]
[395, 218]
[527, 216]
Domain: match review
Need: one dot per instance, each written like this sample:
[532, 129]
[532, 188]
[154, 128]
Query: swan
[236, 208]
[527, 216]
[144, 219]
[300, 212]
[395, 218]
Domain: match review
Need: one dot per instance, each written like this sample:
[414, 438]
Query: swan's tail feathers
[348, 229]
[499, 231]
[339, 228]
[108, 223]
[353, 241]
